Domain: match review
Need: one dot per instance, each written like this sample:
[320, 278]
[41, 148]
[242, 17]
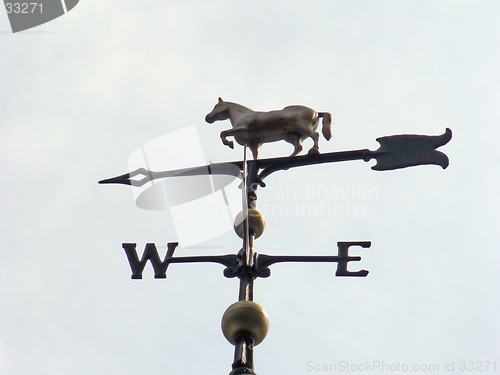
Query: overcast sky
[79, 94]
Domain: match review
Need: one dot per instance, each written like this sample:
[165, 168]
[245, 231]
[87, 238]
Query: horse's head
[220, 112]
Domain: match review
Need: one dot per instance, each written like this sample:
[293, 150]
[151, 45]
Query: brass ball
[256, 223]
[245, 317]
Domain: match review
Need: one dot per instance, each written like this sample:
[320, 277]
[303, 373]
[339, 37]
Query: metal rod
[233, 168]
[243, 357]
[246, 231]
[243, 350]
[246, 275]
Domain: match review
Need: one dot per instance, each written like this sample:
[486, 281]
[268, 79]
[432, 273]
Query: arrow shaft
[272, 165]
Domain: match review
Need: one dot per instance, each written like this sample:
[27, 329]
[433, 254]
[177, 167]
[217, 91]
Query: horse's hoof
[313, 151]
[231, 144]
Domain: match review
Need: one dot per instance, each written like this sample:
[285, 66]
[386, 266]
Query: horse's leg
[225, 134]
[315, 148]
[294, 139]
[298, 147]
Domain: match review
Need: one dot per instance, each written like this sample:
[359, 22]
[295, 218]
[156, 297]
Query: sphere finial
[256, 223]
[245, 317]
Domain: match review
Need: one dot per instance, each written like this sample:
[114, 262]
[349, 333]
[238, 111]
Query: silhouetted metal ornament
[245, 323]
[292, 124]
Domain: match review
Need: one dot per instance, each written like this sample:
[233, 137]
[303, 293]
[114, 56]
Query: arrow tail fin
[408, 150]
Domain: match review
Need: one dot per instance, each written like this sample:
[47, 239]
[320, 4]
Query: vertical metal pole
[246, 278]
[243, 357]
[243, 351]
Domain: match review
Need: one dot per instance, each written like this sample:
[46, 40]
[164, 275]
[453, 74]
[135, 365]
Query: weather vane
[245, 323]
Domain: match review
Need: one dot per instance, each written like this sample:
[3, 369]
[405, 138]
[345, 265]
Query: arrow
[395, 152]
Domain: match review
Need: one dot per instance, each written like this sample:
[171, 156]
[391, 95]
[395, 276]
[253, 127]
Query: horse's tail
[327, 124]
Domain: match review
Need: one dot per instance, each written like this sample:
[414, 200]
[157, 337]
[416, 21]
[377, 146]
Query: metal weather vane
[245, 323]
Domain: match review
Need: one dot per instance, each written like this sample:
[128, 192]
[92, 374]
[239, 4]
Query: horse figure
[292, 124]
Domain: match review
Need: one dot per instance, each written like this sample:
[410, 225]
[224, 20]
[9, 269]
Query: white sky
[79, 94]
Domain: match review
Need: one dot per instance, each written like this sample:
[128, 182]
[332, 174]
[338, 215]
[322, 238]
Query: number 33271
[24, 8]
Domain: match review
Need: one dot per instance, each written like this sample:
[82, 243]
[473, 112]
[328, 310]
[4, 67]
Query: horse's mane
[239, 107]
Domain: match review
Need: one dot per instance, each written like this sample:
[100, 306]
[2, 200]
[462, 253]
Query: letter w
[151, 254]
